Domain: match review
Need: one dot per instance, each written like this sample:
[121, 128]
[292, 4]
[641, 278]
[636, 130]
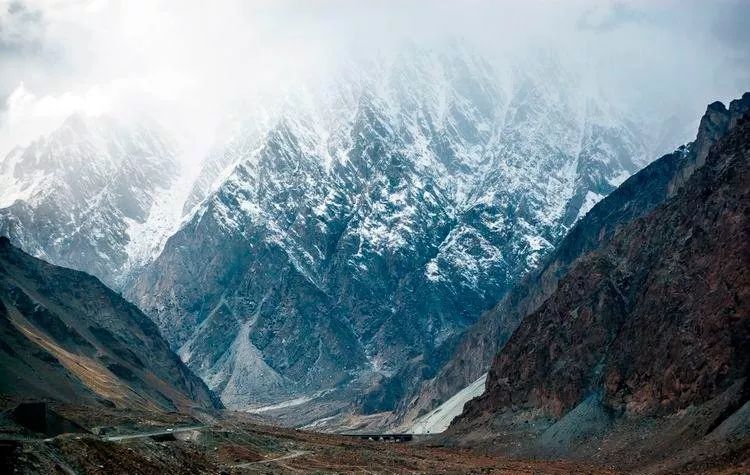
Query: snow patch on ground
[537, 243]
[13, 189]
[432, 271]
[320, 422]
[440, 418]
[298, 401]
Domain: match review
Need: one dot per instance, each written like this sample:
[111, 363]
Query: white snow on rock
[589, 201]
[436, 169]
[433, 172]
[106, 192]
[146, 239]
[298, 401]
[440, 418]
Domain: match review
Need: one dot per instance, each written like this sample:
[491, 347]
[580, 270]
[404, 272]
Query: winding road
[176, 430]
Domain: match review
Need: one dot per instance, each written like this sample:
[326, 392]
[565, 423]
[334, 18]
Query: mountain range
[337, 244]
[88, 195]
[416, 238]
[635, 198]
[355, 241]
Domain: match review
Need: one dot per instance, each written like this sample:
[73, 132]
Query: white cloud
[29, 115]
[24, 106]
[188, 61]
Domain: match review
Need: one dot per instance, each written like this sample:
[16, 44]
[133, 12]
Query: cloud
[21, 29]
[21, 32]
[189, 62]
[608, 16]
[26, 54]
[732, 30]
[26, 114]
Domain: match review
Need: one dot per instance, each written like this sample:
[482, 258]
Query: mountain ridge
[66, 337]
[640, 194]
[84, 195]
[376, 203]
[642, 343]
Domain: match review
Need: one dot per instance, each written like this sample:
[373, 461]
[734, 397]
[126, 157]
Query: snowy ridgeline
[426, 187]
[96, 195]
[421, 187]
[440, 418]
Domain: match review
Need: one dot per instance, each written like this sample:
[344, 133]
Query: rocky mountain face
[356, 239]
[635, 198]
[86, 196]
[64, 336]
[643, 343]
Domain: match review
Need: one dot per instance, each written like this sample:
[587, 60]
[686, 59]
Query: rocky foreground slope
[640, 353]
[233, 443]
[66, 337]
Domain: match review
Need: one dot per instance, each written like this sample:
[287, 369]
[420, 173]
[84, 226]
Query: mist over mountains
[376, 216]
[500, 227]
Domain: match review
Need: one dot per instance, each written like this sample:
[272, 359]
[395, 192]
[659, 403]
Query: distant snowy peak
[438, 115]
[84, 195]
[455, 116]
[89, 152]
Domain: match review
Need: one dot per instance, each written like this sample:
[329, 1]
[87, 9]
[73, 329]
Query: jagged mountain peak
[77, 195]
[636, 197]
[382, 218]
[385, 208]
[612, 341]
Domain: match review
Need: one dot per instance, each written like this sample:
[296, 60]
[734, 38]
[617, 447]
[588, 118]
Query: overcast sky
[186, 61]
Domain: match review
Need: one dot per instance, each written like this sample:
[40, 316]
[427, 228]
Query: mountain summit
[86, 195]
[353, 242]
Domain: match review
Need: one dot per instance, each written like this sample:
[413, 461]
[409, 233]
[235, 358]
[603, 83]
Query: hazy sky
[186, 61]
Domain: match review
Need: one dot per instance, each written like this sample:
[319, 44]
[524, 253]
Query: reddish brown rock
[635, 198]
[644, 343]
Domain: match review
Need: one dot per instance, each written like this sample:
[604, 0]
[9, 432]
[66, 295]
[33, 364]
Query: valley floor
[128, 442]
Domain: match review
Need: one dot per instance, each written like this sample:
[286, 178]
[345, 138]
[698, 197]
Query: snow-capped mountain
[95, 195]
[355, 238]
